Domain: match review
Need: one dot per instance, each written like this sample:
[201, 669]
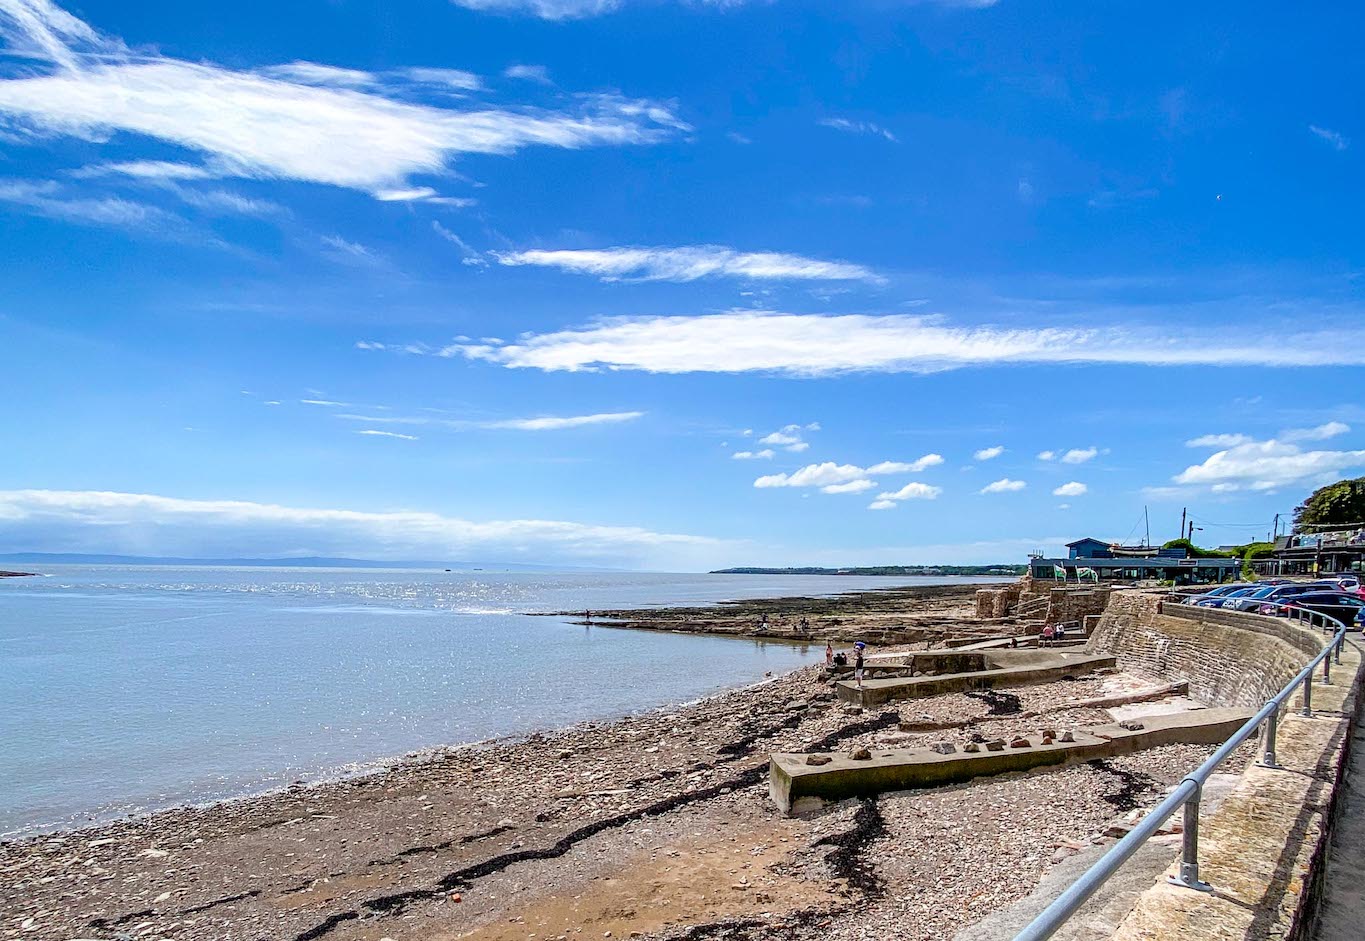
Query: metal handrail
[1187, 794]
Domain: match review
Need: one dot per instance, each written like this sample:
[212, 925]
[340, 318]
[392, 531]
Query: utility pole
[1277, 528]
[1190, 536]
[1183, 511]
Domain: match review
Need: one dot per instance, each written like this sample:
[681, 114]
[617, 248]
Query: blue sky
[526, 281]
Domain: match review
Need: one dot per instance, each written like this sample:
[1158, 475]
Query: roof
[1087, 539]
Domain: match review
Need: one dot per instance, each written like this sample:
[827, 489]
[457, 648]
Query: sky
[674, 284]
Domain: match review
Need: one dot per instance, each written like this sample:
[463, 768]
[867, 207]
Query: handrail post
[1307, 711]
[1341, 642]
[1189, 846]
[1272, 725]
[1327, 670]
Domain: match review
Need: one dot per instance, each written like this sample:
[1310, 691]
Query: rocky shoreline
[904, 615]
[657, 826]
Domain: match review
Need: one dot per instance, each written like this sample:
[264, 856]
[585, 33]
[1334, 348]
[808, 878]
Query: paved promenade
[1343, 899]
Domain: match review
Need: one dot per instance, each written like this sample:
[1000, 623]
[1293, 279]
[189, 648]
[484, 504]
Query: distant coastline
[80, 558]
[18, 574]
[891, 570]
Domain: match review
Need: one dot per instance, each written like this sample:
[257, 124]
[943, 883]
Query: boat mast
[1146, 540]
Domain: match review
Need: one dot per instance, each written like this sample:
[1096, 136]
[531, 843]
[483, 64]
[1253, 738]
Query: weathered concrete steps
[791, 778]
[1006, 668]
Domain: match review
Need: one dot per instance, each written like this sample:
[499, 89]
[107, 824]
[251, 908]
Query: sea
[128, 689]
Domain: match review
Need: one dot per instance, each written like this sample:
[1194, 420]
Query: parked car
[1216, 592]
[1254, 600]
[1220, 599]
[1346, 608]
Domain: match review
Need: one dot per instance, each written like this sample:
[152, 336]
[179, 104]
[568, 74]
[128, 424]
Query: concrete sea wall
[1228, 658]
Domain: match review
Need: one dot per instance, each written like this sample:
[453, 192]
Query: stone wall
[1064, 604]
[996, 602]
[1228, 658]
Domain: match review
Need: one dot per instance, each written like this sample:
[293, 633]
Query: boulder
[818, 759]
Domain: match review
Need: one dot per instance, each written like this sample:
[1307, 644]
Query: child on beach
[829, 654]
[858, 649]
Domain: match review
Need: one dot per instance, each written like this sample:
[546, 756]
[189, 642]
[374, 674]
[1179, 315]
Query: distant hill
[74, 558]
[1003, 570]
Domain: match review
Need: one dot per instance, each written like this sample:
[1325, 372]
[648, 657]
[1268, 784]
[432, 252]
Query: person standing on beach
[858, 649]
[829, 653]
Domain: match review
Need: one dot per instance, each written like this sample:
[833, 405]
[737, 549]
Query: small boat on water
[1134, 552]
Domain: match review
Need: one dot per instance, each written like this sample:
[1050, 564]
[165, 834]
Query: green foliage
[1335, 504]
[1195, 551]
[1250, 553]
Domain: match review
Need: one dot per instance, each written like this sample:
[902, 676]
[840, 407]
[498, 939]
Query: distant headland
[892, 570]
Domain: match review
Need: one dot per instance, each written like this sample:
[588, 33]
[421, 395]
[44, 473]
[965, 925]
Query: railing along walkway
[1189, 791]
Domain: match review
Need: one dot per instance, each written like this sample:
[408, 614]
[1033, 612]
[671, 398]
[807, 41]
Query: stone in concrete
[790, 777]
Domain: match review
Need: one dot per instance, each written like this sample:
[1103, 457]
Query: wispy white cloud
[1079, 455]
[907, 467]
[537, 423]
[529, 73]
[325, 403]
[50, 199]
[558, 422]
[468, 256]
[314, 73]
[814, 475]
[764, 455]
[545, 9]
[1218, 441]
[375, 432]
[791, 437]
[301, 121]
[1335, 138]
[820, 345]
[1071, 489]
[911, 491]
[688, 263]
[1004, 485]
[345, 249]
[578, 9]
[146, 170]
[1331, 429]
[42, 30]
[834, 478]
[102, 521]
[989, 454]
[1047, 455]
[1267, 465]
[852, 486]
[860, 127]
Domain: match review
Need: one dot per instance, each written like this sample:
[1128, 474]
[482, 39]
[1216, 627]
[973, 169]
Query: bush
[1195, 551]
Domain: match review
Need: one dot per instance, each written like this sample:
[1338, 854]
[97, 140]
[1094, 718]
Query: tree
[1339, 503]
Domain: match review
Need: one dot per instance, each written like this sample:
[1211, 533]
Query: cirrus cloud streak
[819, 345]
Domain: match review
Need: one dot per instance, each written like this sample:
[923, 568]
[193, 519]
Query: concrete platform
[1003, 668]
[892, 769]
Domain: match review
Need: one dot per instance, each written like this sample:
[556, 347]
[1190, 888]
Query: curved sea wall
[1228, 658]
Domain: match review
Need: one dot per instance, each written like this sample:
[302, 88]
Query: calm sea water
[127, 689]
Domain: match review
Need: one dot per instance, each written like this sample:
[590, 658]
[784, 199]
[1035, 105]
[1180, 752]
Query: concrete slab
[1163, 707]
[1007, 668]
[791, 778]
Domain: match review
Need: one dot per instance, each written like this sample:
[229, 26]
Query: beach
[656, 825]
